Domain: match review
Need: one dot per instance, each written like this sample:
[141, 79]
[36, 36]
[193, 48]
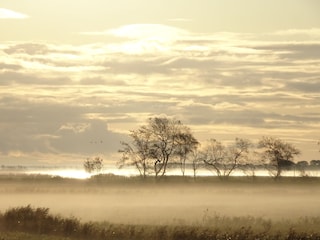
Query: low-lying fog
[164, 203]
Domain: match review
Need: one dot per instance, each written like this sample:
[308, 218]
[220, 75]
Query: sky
[77, 76]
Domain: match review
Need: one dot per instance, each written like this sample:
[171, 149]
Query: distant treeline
[15, 167]
[165, 142]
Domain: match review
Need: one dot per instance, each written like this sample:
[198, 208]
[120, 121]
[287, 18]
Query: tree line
[164, 142]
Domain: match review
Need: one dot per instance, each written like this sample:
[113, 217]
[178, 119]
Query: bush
[40, 222]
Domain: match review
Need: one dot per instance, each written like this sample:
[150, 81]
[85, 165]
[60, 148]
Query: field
[110, 207]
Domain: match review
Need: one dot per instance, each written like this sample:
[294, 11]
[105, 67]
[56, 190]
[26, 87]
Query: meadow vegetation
[37, 223]
[199, 200]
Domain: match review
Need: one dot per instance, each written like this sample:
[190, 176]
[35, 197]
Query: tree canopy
[225, 159]
[93, 165]
[162, 142]
[279, 154]
[156, 144]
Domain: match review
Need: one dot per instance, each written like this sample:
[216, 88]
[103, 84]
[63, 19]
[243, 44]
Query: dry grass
[38, 222]
[172, 208]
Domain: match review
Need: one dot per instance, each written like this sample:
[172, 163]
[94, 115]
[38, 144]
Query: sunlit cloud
[9, 14]
[146, 31]
[312, 32]
[220, 84]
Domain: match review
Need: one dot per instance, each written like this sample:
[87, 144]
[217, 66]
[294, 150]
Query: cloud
[294, 51]
[157, 32]
[61, 99]
[139, 66]
[33, 48]
[312, 33]
[5, 66]
[46, 126]
[10, 77]
[92, 137]
[307, 87]
[28, 48]
[9, 14]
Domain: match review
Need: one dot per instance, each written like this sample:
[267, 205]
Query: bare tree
[93, 165]
[238, 153]
[137, 154]
[186, 144]
[302, 166]
[196, 161]
[213, 155]
[251, 165]
[278, 154]
[160, 141]
[225, 159]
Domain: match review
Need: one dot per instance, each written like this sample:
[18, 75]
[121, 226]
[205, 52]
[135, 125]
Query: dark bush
[38, 220]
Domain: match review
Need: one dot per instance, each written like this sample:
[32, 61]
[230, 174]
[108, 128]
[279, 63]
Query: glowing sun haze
[76, 76]
[7, 14]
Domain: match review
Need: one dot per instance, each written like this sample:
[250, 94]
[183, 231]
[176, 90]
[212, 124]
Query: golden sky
[76, 76]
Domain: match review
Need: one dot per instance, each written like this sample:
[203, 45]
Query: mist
[163, 202]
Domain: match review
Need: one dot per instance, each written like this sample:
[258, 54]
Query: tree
[278, 154]
[250, 167]
[154, 145]
[196, 161]
[315, 164]
[238, 153]
[186, 145]
[301, 166]
[137, 154]
[225, 159]
[213, 155]
[93, 165]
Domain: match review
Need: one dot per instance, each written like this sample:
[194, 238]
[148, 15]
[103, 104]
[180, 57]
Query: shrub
[39, 221]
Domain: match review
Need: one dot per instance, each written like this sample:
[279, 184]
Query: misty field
[171, 208]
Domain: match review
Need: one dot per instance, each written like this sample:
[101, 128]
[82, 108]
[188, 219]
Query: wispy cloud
[225, 84]
[146, 31]
[10, 14]
[312, 32]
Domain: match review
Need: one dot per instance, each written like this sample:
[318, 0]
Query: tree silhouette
[137, 153]
[278, 153]
[154, 145]
[196, 161]
[225, 159]
[93, 165]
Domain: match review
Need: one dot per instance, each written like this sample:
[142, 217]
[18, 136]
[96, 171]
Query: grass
[37, 223]
[33, 223]
[107, 179]
[28, 236]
